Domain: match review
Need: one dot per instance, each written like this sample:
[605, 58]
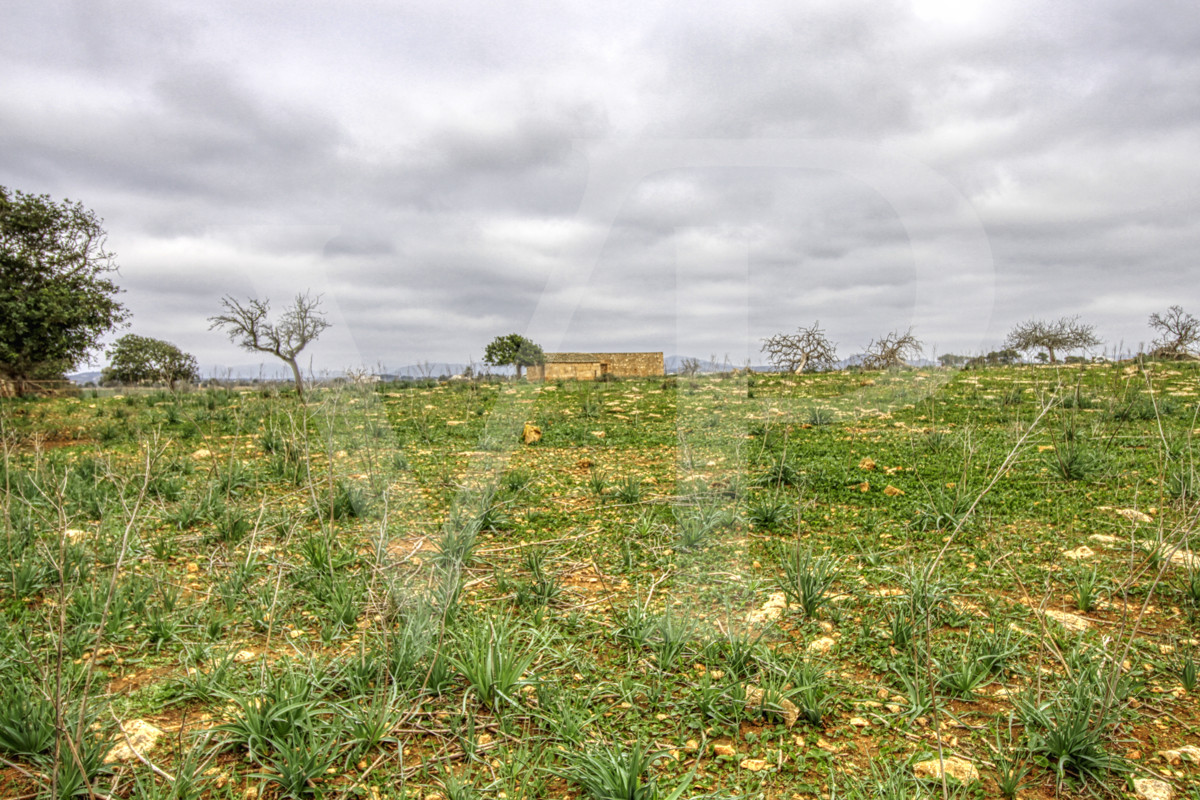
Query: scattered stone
[242, 656]
[1152, 789]
[771, 610]
[1188, 752]
[724, 750]
[137, 736]
[691, 745]
[1133, 515]
[867, 463]
[203, 452]
[755, 765]
[1104, 538]
[789, 710]
[74, 534]
[1081, 552]
[954, 767]
[531, 433]
[859, 722]
[892, 491]
[1072, 622]
[821, 646]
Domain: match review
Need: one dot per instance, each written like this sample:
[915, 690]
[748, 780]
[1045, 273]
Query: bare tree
[892, 350]
[1064, 333]
[1178, 334]
[806, 349]
[689, 367]
[250, 327]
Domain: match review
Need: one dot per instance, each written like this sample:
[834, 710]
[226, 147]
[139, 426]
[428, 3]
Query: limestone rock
[202, 453]
[892, 491]
[954, 767]
[1152, 789]
[242, 656]
[531, 433]
[1104, 538]
[724, 750]
[1081, 552]
[1133, 515]
[137, 736]
[1188, 752]
[859, 722]
[771, 610]
[789, 710]
[755, 765]
[1072, 622]
[821, 646]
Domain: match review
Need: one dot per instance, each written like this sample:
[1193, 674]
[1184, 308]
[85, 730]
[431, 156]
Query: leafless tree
[891, 351]
[250, 327]
[1178, 334]
[1064, 333]
[689, 367]
[806, 349]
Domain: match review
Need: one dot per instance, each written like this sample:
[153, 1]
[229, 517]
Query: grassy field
[727, 586]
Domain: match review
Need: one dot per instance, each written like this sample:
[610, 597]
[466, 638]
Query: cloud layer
[650, 176]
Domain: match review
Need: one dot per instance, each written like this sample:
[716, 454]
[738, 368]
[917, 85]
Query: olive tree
[1178, 334]
[513, 349]
[1063, 334]
[250, 327]
[891, 351]
[57, 297]
[137, 359]
[808, 349]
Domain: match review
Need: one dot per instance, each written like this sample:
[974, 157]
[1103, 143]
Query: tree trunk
[1053, 360]
[296, 375]
[518, 366]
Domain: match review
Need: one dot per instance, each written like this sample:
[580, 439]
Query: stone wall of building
[574, 366]
[631, 365]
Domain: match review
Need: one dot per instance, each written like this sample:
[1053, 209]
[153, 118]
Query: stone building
[593, 366]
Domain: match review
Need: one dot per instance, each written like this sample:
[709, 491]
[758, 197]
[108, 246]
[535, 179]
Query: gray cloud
[424, 165]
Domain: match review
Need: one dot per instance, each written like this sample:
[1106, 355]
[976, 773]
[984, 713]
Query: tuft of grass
[494, 662]
[806, 579]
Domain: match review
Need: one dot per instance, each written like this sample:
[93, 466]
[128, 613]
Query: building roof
[572, 358]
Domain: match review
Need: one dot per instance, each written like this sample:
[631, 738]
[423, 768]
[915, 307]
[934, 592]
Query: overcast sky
[685, 177]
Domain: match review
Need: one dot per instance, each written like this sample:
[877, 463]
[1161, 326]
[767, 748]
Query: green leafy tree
[249, 326]
[56, 297]
[513, 349]
[138, 359]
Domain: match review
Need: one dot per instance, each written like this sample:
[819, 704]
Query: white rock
[821, 646]
[1104, 538]
[1188, 752]
[1152, 789]
[1073, 623]
[1081, 552]
[136, 735]
[957, 768]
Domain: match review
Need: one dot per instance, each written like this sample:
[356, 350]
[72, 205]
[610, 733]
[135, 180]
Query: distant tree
[891, 351]
[514, 350]
[689, 367]
[56, 297]
[996, 358]
[808, 349]
[952, 360]
[136, 359]
[1178, 334]
[1063, 334]
[249, 326]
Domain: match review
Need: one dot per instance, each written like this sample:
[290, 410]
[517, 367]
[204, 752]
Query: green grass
[386, 591]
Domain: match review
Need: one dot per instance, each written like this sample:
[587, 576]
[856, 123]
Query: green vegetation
[688, 587]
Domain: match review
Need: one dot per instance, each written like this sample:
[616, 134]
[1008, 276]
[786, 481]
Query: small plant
[544, 587]
[26, 721]
[944, 510]
[807, 579]
[1086, 586]
[597, 482]
[962, 674]
[1073, 460]
[769, 511]
[670, 639]
[779, 472]
[635, 625]
[1071, 731]
[995, 649]
[629, 491]
[819, 416]
[1012, 769]
[1187, 672]
[608, 773]
[493, 662]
